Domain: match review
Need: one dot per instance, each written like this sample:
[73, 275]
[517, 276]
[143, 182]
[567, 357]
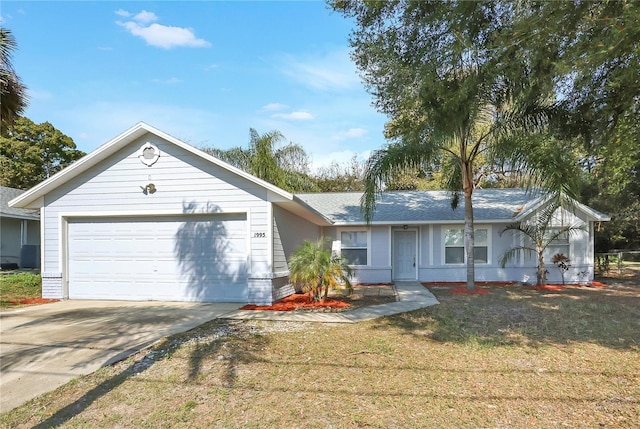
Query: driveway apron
[45, 346]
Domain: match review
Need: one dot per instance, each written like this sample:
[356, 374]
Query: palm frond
[513, 253]
[383, 163]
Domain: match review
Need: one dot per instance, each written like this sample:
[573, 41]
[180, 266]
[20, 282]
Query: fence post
[619, 263]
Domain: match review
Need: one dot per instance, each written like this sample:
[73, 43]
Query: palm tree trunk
[467, 186]
[469, 240]
[542, 272]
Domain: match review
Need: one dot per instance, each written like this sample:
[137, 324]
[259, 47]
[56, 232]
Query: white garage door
[177, 258]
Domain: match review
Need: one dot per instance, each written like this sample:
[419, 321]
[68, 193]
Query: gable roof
[7, 194]
[400, 207]
[30, 198]
[342, 208]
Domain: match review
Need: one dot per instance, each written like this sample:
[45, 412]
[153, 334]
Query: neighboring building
[19, 233]
[148, 217]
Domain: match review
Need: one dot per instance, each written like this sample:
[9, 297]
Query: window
[559, 245]
[454, 246]
[354, 247]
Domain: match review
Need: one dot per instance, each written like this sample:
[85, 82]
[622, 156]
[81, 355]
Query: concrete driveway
[43, 347]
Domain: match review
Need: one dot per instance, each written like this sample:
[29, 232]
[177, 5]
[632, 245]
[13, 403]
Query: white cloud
[145, 17]
[274, 106]
[294, 116]
[329, 71]
[123, 13]
[351, 133]
[211, 67]
[170, 81]
[158, 35]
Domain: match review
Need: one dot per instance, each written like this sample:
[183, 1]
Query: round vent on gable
[148, 154]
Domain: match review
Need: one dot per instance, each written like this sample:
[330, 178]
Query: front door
[404, 255]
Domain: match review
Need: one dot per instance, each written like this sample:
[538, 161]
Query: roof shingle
[6, 195]
[421, 206]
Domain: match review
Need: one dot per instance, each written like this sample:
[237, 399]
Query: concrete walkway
[411, 296]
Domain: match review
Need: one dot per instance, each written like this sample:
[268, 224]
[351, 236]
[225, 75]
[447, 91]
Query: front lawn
[513, 358]
[16, 288]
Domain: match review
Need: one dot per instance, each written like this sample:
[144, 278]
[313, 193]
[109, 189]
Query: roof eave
[419, 222]
[17, 216]
[592, 214]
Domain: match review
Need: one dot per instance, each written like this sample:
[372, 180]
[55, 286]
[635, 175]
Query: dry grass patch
[510, 358]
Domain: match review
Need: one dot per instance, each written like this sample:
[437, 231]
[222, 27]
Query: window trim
[556, 244]
[444, 247]
[356, 229]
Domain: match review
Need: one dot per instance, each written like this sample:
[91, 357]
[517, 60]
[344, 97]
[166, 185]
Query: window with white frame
[454, 246]
[354, 247]
[560, 244]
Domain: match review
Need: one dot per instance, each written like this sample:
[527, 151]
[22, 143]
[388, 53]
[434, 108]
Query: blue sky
[202, 71]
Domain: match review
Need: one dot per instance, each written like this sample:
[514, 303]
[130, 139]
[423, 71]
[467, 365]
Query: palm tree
[537, 236]
[484, 131]
[270, 158]
[316, 270]
[13, 97]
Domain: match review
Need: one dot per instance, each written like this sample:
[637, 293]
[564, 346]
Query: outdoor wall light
[405, 226]
[149, 189]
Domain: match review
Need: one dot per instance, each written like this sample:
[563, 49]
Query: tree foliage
[13, 97]
[580, 59]
[432, 69]
[339, 177]
[316, 270]
[268, 157]
[31, 153]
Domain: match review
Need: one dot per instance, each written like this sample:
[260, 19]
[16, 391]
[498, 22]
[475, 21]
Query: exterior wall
[425, 247]
[431, 266]
[581, 250]
[185, 184]
[12, 237]
[10, 240]
[522, 269]
[378, 269]
[289, 233]
[281, 288]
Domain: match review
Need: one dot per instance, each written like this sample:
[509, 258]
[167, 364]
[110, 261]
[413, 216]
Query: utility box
[30, 256]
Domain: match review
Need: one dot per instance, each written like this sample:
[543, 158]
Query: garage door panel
[171, 258]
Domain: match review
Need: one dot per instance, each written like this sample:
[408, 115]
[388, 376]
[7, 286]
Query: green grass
[17, 286]
[513, 358]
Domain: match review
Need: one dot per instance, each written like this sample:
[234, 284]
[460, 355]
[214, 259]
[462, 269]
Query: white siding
[185, 184]
[289, 233]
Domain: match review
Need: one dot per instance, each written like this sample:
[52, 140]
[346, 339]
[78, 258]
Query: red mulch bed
[298, 301]
[595, 284]
[32, 301]
[561, 287]
[546, 287]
